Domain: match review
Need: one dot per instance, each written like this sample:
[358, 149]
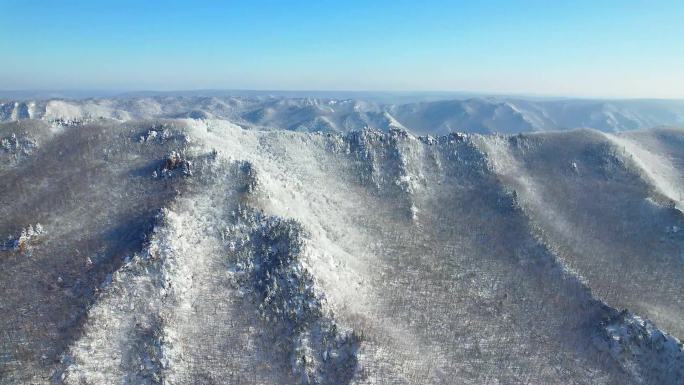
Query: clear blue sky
[581, 48]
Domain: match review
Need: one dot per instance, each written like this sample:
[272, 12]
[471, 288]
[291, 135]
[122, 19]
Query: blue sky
[574, 48]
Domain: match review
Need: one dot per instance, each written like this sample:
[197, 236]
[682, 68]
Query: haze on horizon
[588, 48]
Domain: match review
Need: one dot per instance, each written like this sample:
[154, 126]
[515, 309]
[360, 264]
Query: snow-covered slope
[474, 115]
[198, 252]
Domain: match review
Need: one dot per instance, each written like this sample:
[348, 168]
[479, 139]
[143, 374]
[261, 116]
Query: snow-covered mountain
[196, 251]
[472, 115]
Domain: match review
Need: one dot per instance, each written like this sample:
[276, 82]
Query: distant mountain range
[428, 115]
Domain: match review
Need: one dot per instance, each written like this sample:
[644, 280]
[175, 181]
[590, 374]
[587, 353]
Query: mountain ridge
[197, 251]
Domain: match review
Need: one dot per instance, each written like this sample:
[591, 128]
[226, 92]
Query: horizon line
[113, 92]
